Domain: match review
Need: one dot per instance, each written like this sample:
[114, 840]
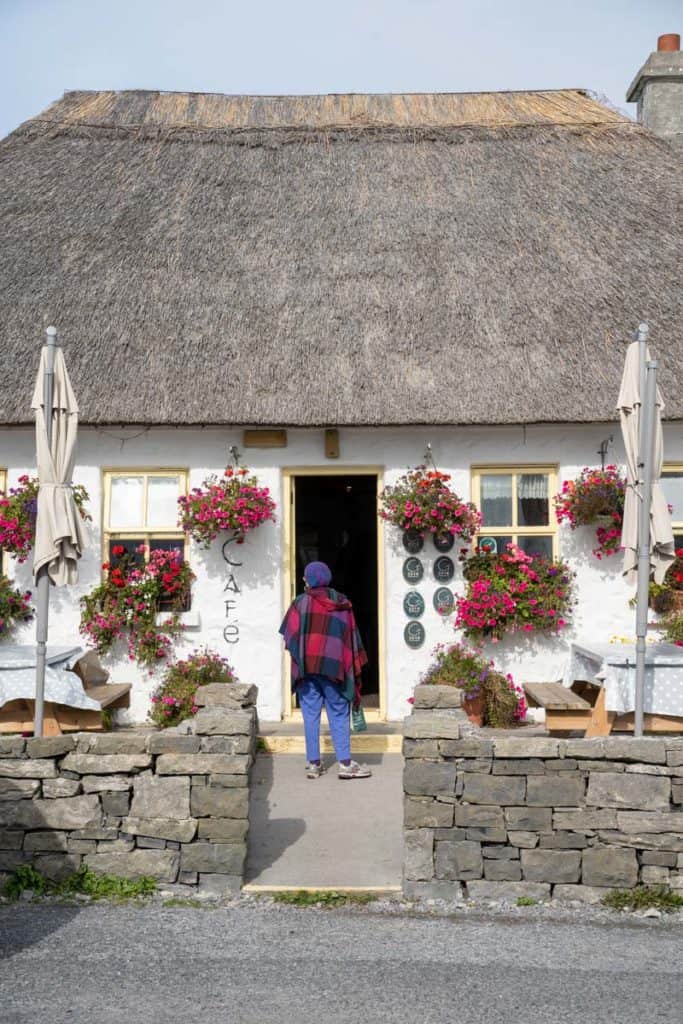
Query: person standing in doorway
[327, 653]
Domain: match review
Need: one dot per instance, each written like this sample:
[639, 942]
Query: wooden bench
[581, 707]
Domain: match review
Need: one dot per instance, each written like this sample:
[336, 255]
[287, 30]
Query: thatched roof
[337, 259]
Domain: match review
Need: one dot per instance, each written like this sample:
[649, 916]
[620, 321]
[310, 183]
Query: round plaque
[413, 541]
[444, 602]
[444, 569]
[412, 570]
[414, 634]
[444, 541]
[488, 545]
[413, 604]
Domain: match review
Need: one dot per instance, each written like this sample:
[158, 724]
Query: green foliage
[324, 898]
[526, 901]
[673, 629]
[84, 881]
[471, 671]
[661, 897]
[14, 606]
[26, 878]
[173, 700]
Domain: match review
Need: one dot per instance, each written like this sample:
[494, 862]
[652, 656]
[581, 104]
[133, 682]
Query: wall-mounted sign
[444, 569]
[413, 541]
[412, 570]
[444, 541]
[413, 604]
[414, 634]
[488, 545]
[444, 602]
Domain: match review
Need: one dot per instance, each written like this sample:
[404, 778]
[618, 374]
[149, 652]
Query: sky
[319, 46]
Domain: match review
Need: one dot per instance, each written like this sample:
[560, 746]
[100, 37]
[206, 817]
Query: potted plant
[422, 501]
[234, 502]
[173, 700]
[595, 498]
[14, 607]
[514, 592]
[127, 602]
[489, 697]
[18, 515]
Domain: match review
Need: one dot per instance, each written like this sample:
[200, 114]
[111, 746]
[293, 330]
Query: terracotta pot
[474, 709]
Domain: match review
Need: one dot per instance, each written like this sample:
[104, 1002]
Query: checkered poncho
[322, 637]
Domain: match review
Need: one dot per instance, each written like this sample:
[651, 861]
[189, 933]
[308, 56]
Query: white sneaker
[354, 771]
[314, 771]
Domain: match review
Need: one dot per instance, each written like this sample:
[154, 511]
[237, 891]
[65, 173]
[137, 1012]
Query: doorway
[333, 519]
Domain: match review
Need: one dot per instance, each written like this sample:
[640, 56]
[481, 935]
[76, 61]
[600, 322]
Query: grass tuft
[85, 882]
[643, 897]
[526, 901]
[316, 898]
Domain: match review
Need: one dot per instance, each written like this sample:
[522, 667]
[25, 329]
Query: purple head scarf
[317, 574]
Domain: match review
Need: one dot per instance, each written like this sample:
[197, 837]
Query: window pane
[130, 547]
[125, 512]
[496, 499]
[678, 541]
[494, 544]
[168, 544]
[536, 545]
[533, 506]
[672, 485]
[162, 502]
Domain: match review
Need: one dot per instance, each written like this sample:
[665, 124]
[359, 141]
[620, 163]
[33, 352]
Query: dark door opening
[336, 523]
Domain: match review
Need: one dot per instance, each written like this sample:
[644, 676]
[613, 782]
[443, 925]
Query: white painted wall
[603, 596]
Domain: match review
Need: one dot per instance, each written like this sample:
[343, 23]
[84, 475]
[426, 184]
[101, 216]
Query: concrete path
[277, 965]
[325, 832]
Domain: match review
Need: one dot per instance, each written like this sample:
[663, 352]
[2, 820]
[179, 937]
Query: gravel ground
[258, 961]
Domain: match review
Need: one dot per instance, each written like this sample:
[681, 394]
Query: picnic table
[76, 690]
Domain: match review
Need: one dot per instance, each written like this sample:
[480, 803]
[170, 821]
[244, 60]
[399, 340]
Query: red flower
[118, 550]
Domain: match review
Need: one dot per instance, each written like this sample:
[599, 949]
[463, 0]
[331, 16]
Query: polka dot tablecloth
[18, 676]
[613, 666]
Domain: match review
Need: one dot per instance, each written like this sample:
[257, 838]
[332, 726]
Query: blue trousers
[313, 692]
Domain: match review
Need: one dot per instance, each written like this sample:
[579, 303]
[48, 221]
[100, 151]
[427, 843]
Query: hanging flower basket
[234, 502]
[514, 592]
[422, 501]
[127, 602]
[18, 515]
[14, 607]
[595, 498]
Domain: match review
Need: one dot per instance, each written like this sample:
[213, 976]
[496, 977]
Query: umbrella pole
[645, 464]
[43, 581]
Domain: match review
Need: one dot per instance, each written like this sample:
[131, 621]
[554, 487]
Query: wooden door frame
[289, 572]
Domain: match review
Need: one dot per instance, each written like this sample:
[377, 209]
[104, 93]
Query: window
[141, 508]
[517, 507]
[672, 485]
[3, 488]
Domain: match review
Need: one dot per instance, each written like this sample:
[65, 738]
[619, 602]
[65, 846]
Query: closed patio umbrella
[59, 539]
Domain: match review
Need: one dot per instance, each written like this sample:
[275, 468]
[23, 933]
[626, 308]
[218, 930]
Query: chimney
[658, 91]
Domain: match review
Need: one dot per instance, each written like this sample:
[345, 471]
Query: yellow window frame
[675, 467]
[109, 534]
[514, 531]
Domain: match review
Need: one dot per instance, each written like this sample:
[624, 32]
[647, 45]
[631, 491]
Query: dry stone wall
[504, 816]
[173, 805]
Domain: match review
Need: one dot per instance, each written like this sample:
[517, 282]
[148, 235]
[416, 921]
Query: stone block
[607, 866]
[562, 764]
[500, 853]
[469, 746]
[49, 842]
[188, 878]
[172, 743]
[11, 859]
[563, 841]
[54, 788]
[215, 801]
[228, 695]
[648, 769]
[428, 726]
[528, 819]
[107, 832]
[116, 804]
[123, 742]
[580, 893]
[81, 845]
[427, 813]
[522, 766]
[602, 766]
[654, 874]
[508, 892]
[644, 840]
[479, 816]
[181, 831]
[584, 819]
[220, 884]
[526, 746]
[226, 744]
[12, 746]
[18, 789]
[555, 791]
[105, 764]
[69, 813]
[106, 783]
[674, 758]
[11, 839]
[641, 792]
[148, 843]
[450, 892]
[494, 789]
[20, 768]
[229, 781]
[57, 866]
[428, 696]
[427, 778]
[643, 821]
[155, 797]
[421, 748]
[587, 749]
[676, 793]
[49, 746]
[489, 835]
[662, 858]
[522, 839]
[502, 871]
[223, 830]
[551, 865]
[221, 858]
[676, 880]
[202, 764]
[223, 722]
[418, 854]
[482, 766]
[459, 860]
[629, 748]
[159, 864]
[450, 833]
[123, 845]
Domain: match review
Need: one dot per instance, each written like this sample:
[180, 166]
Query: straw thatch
[338, 259]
